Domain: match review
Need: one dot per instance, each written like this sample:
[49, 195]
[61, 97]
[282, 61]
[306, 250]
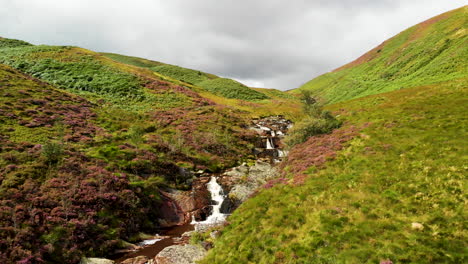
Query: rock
[240, 182]
[207, 245]
[417, 226]
[178, 254]
[137, 260]
[238, 171]
[178, 206]
[96, 261]
[228, 206]
[214, 234]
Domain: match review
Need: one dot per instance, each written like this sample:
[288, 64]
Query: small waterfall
[217, 196]
[269, 144]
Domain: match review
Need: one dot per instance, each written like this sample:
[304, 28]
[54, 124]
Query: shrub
[316, 122]
[52, 151]
[312, 126]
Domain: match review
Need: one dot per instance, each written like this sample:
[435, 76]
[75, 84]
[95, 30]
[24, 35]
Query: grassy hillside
[397, 191]
[106, 132]
[222, 87]
[11, 43]
[231, 89]
[431, 52]
[135, 61]
[183, 74]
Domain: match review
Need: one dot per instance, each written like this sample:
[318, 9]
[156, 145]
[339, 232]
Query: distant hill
[223, 87]
[431, 52]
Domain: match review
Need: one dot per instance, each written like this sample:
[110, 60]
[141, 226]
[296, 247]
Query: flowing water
[269, 144]
[217, 195]
[152, 247]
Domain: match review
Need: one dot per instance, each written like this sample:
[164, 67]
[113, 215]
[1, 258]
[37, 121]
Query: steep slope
[430, 52]
[389, 185]
[394, 192]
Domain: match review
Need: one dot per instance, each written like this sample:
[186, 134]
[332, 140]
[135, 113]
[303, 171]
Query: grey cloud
[272, 43]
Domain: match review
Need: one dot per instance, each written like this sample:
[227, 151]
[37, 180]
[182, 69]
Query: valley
[108, 158]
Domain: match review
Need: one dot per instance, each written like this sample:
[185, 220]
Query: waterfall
[218, 197]
[269, 144]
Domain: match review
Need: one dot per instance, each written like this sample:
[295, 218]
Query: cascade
[218, 197]
[269, 144]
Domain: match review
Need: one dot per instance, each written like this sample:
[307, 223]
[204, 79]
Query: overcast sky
[263, 43]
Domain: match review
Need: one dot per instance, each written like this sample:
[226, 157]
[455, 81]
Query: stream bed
[240, 181]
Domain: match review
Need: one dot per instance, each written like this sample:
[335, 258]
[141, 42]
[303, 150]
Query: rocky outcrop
[178, 206]
[180, 254]
[241, 182]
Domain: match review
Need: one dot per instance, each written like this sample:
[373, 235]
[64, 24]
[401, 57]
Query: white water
[217, 195]
[281, 153]
[149, 242]
[269, 144]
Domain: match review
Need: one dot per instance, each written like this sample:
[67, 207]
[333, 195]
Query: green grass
[135, 61]
[431, 52]
[183, 74]
[231, 89]
[408, 166]
[10, 43]
[81, 74]
[90, 75]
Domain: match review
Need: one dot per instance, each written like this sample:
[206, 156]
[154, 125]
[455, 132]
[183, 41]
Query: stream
[268, 152]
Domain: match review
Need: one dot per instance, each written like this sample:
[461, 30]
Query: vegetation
[404, 167]
[78, 178]
[388, 186]
[10, 43]
[183, 74]
[135, 61]
[88, 140]
[316, 121]
[231, 89]
[431, 52]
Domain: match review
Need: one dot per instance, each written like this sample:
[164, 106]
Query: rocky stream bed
[212, 198]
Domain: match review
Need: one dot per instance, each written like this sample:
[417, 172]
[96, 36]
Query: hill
[88, 142]
[433, 51]
[388, 186]
[223, 87]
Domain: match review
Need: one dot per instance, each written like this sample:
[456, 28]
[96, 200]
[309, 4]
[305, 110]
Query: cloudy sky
[264, 43]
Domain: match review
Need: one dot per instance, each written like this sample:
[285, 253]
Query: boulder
[96, 261]
[137, 260]
[180, 254]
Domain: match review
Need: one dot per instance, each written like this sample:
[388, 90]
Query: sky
[262, 43]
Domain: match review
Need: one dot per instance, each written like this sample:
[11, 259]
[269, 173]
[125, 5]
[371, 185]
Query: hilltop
[424, 54]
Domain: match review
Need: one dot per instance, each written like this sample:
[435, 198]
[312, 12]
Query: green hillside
[11, 43]
[223, 87]
[433, 51]
[232, 89]
[405, 165]
[389, 185]
[135, 61]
